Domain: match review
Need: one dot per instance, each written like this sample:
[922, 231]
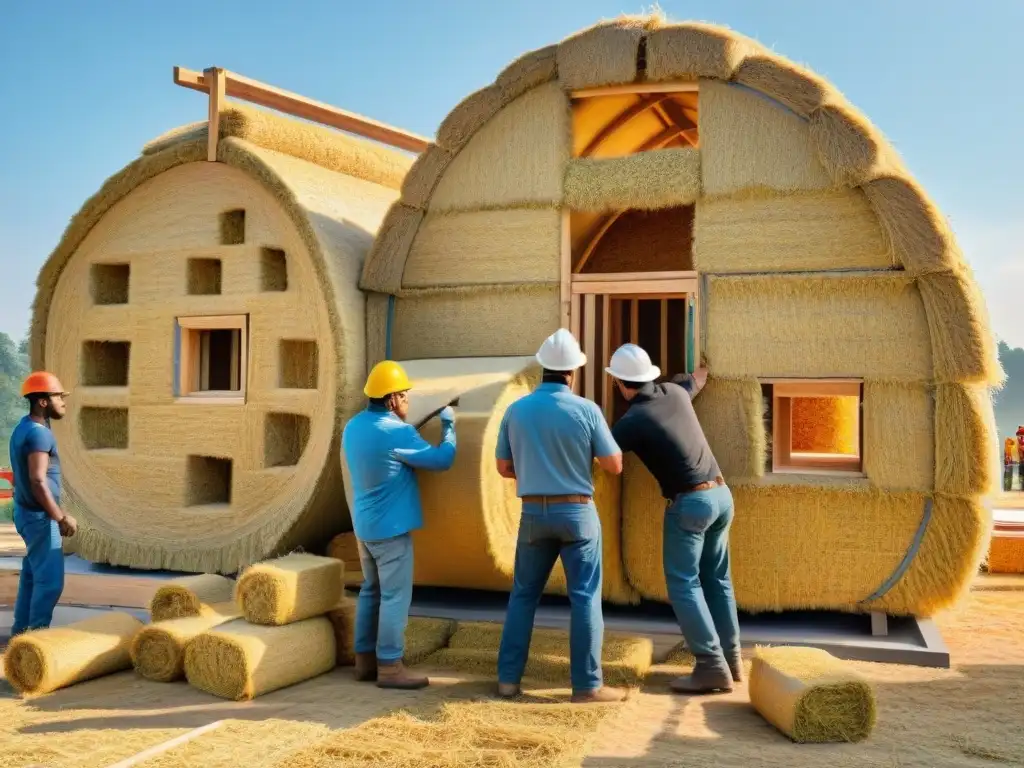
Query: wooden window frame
[783, 391]
[189, 360]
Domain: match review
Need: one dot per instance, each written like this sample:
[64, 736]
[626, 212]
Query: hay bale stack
[289, 589]
[199, 595]
[277, 230]
[811, 696]
[158, 650]
[473, 649]
[344, 547]
[240, 661]
[1006, 552]
[45, 660]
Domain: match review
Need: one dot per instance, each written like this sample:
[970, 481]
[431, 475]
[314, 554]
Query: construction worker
[37, 514]
[382, 451]
[547, 443]
[661, 428]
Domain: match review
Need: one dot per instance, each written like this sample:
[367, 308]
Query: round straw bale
[190, 596]
[290, 588]
[44, 660]
[157, 480]
[811, 696]
[158, 650]
[240, 661]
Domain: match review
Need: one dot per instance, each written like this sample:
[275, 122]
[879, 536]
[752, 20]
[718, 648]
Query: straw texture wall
[899, 436]
[805, 232]
[767, 326]
[301, 295]
[44, 660]
[691, 50]
[645, 241]
[520, 245]
[442, 323]
[645, 180]
[730, 413]
[604, 54]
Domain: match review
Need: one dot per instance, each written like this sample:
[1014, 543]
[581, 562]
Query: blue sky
[84, 85]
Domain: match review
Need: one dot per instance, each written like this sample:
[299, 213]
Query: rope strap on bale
[908, 558]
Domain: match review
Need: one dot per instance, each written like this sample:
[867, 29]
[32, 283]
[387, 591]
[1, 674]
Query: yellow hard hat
[386, 378]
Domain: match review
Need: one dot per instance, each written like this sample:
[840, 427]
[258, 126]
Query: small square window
[213, 357]
[273, 270]
[232, 227]
[204, 277]
[814, 427]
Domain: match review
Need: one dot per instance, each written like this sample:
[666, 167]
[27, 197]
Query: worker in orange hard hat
[37, 514]
[382, 452]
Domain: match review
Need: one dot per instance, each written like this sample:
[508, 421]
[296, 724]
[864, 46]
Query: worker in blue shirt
[38, 518]
[547, 443]
[382, 452]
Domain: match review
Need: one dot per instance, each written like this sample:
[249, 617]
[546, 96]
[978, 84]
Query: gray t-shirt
[662, 429]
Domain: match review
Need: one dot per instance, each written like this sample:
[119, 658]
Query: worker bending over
[382, 451]
[547, 443]
[662, 429]
[38, 518]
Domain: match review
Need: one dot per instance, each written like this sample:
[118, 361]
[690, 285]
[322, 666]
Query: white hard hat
[561, 352]
[632, 363]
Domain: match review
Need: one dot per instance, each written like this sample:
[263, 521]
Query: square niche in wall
[207, 481]
[105, 363]
[108, 283]
[273, 270]
[298, 364]
[203, 277]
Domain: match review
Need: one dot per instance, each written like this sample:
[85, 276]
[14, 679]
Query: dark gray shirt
[662, 429]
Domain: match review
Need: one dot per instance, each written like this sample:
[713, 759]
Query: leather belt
[571, 499]
[705, 485]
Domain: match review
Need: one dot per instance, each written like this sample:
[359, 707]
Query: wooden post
[606, 349]
[565, 275]
[590, 343]
[217, 82]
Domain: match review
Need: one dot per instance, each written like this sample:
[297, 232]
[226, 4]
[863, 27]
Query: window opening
[213, 357]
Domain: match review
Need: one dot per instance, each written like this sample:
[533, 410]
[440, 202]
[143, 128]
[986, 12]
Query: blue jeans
[382, 610]
[573, 532]
[696, 555]
[42, 570]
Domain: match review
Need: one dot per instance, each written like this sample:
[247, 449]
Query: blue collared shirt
[382, 453]
[552, 437]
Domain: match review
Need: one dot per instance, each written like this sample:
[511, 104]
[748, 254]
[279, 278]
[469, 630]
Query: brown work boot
[395, 675]
[366, 667]
[508, 690]
[710, 674]
[602, 695]
[735, 662]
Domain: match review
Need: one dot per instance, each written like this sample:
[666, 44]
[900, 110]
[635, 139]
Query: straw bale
[343, 624]
[468, 117]
[817, 326]
[477, 247]
[376, 328]
[190, 596]
[193, 131]
[240, 661]
[916, 230]
[345, 547]
[527, 72]
[462, 735]
[605, 53]
[730, 413]
[964, 437]
[807, 232]
[443, 323]
[644, 180]
[44, 660]
[1006, 553]
[382, 270]
[516, 160]
[899, 436]
[793, 85]
[473, 649]
[963, 344]
[748, 142]
[811, 696]
[419, 184]
[849, 146]
[694, 50]
[826, 425]
[158, 650]
[290, 588]
[422, 636]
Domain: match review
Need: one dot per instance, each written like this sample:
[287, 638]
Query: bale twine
[45, 660]
[158, 650]
[811, 696]
[240, 661]
[191, 596]
[290, 588]
[826, 425]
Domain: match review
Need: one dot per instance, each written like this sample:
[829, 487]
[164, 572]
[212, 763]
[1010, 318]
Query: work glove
[447, 415]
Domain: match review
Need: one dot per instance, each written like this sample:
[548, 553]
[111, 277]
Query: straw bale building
[681, 186]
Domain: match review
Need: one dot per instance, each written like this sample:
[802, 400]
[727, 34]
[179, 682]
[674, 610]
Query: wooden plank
[606, 350]
[619, 90]
[90, 589]
[619, 277]
[213, 322]
[565, 272]
[590, 343]
[247, 89]
[634, 321]
[664, 336]
[215, 77]
[817, 389]
[781, 431]
[660, 287]
[177, 741]
[879, 624]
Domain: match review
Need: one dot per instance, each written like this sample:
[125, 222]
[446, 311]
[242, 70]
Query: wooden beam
[215, 77]
[604, 277]
[247, 89]
[622, 119]
[660, 287]
[590, 343]
[565, 273]
[598, 234]
[606, 350]
[634, 321]
[620, 90]
[664, 336]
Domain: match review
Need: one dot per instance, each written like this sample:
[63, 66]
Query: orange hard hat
[41, 383]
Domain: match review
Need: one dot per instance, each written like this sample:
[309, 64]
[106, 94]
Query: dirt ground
[969, 715]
